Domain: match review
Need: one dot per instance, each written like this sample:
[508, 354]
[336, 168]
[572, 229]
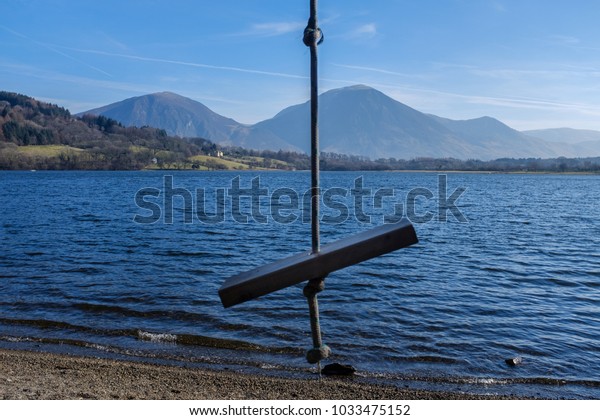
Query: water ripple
[520, 279]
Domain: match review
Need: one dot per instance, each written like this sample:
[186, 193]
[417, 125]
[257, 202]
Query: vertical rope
[312, 38]
[319, 351]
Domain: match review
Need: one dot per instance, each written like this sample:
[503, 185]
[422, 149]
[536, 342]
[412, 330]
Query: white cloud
[535, 75]
[499, 7]
[277, 28]
[564, 40]
[368, 30]
[113, 42]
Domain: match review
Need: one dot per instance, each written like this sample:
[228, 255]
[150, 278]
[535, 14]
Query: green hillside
[38, 135]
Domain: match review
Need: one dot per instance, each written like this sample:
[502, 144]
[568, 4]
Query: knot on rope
[316, 354]
[312, 36]
[313, 287]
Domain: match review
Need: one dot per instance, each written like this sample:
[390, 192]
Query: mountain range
[356, 120]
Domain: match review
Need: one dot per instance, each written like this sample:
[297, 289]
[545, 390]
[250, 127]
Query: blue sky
[530, 63]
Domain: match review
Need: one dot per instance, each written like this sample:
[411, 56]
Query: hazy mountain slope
[565, 135]
[359, 120]
[490, 139]
[575, 142]
[355, 120]
[177, 115]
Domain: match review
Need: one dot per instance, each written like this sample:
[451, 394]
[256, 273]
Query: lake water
[508, 267]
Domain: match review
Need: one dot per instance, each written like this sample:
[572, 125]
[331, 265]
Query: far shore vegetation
[40, 136]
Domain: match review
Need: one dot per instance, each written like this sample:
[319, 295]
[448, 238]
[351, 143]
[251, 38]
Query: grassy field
[211, 162]
[262, 162]
[197, 162]
[241, 163]
[47, 151]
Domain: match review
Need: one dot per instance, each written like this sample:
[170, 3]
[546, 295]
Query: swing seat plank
[292, 270]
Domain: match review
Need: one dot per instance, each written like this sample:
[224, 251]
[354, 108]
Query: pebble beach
[46, 376]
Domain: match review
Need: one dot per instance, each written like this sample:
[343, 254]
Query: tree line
[338, 162]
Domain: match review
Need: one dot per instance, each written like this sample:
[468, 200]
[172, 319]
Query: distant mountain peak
[354, 120]
[485, 118]
[176, 114]
[167, 94]
[352, 89]
[356, 87]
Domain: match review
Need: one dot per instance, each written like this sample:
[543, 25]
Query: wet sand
[32, 375]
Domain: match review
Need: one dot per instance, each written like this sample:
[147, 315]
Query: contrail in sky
[189, 64]
[54, 50]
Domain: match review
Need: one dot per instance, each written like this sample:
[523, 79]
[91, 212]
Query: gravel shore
[32, 375]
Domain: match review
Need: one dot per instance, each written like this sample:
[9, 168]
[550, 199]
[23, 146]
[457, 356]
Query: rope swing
[317, 264]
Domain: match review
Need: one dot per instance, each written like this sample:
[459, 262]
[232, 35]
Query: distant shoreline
[457, 171]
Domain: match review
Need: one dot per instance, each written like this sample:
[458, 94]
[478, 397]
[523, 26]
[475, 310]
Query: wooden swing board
[292, 270]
